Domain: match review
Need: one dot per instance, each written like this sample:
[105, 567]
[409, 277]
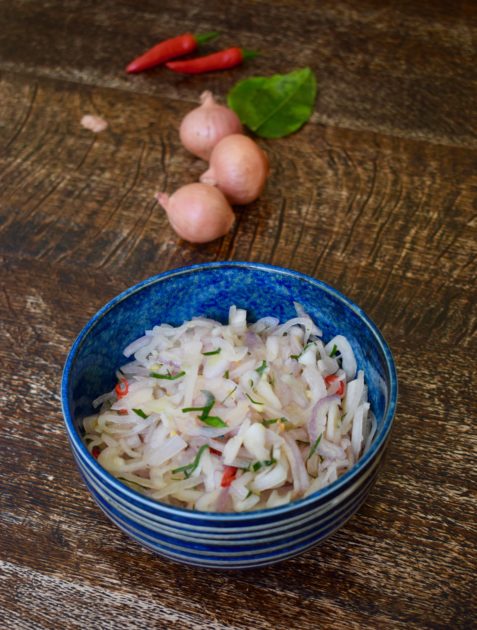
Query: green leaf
[214, 421]
[210, 401]
[229, 394]
[255, 402]
[273, 107]
[189, 468]
[168, 376]
[259, 465]
[315, 446]
[209, 354]
[270, 421]
[140, 413]
[297, 356]
[262, 368]
[334, 350]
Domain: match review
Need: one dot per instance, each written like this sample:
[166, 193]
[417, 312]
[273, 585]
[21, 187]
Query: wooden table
[374, 196]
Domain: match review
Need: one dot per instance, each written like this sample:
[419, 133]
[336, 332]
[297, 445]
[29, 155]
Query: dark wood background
[375, 196]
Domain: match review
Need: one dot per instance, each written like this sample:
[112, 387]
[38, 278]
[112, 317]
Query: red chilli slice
[122, 388]
[95, 452]
[229, 475]
[332, 378]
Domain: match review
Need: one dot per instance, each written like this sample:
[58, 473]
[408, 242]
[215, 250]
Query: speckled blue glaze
[203, 538]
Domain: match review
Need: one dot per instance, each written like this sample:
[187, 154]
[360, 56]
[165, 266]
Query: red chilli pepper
[122, 388]
[169, 49]
[209, 63]
[228, 476]
[332, 378]
[214, 451]
[95, 452]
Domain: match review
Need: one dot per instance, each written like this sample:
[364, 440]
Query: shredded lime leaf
[262, 368]
[273, 420]
[229, 394]
[258, 465]
[212, 421]
[210, 401]
[297, 356]
[168, 376]
[315, 446]
[255, 402]
[140, 413]
[189, 468]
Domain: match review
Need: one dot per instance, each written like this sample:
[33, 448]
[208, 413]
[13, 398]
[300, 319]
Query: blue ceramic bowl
[203, 538]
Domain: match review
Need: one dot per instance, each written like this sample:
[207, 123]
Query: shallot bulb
[238, 167]
[197, 212]
[204, 126]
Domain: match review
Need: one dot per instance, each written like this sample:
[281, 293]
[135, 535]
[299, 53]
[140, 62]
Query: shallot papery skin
[198, 213]
[205, 126]
[239, 168]
[96, 124]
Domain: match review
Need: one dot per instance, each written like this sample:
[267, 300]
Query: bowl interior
[209, 290]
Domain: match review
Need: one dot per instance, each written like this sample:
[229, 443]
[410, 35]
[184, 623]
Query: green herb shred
[168, 376]
[315, 446]
[210, 401]
[255, 402]
[260, 370]
[212, 421]
[334, 350]
[270, 421]
[189, 468]
[258, 465]
[297, 356]
[229, 394]
[209, 354]
[140, 413]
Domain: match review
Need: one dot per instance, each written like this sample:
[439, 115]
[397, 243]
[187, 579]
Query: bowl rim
[153, 505]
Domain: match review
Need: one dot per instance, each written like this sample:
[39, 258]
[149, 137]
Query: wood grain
[375, 196]
[381, 65]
